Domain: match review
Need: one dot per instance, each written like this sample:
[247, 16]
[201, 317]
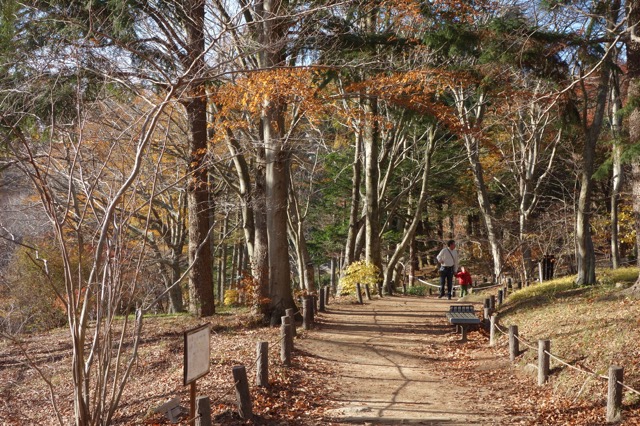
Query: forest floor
[393, 360]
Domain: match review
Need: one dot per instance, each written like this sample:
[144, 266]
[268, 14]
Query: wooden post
[314, 303]
[492, 330]
[287, 321]
[367, 291]
[291, 314]
[486, 316]
[203, 410]
[245, 409]
[514, 347]
[500, 293]
[333, 273]
[544, 346]
[307, 308]
[327, 293]
[321, 299]
[359, 293]
[492, 302]
[614, 397]
[286, 341]
[262, 364]
[192, 402]
[487, 309]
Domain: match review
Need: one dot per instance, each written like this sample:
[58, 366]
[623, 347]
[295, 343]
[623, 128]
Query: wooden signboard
[196, 353]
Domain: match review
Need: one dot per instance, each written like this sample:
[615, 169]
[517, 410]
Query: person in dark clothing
[448, 260]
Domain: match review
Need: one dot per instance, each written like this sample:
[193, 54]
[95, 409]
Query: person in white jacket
[448, 260]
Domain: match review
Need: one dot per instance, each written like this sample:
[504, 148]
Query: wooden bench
[462, 316]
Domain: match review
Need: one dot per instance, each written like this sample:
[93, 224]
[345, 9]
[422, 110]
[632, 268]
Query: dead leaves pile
[295, 395]
[524, 403]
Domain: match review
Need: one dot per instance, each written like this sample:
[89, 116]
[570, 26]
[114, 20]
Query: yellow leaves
[362, 273]
[290, 95]
[275, 88]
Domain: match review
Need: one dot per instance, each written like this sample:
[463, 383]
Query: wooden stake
[192, 403]
[514, 347]
[614, 397]
[245, 409]
[262, 365]
[544, 346]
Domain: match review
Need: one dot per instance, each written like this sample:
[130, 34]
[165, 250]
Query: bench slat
[461, 308]
[462, 314]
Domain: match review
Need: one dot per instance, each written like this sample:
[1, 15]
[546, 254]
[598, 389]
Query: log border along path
[391, 357]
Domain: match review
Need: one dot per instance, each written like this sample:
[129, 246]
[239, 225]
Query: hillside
[590, 329]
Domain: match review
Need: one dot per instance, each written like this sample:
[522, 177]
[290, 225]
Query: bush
[231, 297]
[28, 301]
[418, 290]
[359, 272]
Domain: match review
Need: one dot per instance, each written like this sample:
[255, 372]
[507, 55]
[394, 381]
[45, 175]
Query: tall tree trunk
[296, 221]
[260, 259]
[245, 192]
[354, 212]
[175, 293]
[616, 178]
[633, 95]
[234, 267]
[307, 264]
[616, 150]
[371, 142]
[222, 267]
[277, 194]
[201, 297]
[585, 254]
[413, 261]
[272, 36]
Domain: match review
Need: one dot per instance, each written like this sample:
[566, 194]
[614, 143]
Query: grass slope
[590, 328]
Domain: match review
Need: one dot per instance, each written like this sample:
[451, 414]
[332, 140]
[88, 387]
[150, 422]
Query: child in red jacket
[464, 280]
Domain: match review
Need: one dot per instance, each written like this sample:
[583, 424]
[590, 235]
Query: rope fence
[614, 401]
[565, 363]
[476, 287]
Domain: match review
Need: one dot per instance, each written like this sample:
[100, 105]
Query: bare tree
[88, 188]
[470, 105]
[529, 155]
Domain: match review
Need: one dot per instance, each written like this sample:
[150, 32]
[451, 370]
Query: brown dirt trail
[392, 357]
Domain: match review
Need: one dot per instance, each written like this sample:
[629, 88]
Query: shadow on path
[387, 354]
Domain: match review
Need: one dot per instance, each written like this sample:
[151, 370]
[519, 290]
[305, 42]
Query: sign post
[197, 352]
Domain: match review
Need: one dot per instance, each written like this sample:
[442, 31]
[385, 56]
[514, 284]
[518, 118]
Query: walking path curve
[391, 356]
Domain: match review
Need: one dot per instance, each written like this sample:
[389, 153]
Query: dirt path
[391, 357]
